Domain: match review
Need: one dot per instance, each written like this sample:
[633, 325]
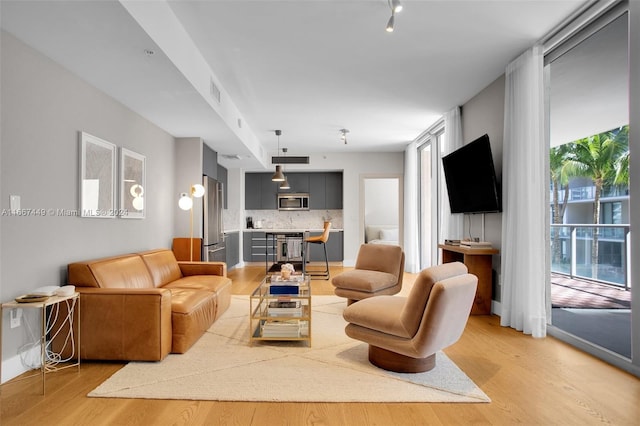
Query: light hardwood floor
[530, 381]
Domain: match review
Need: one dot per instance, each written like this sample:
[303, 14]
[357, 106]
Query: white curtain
[411, 227]
[524, 232]
[451, 225]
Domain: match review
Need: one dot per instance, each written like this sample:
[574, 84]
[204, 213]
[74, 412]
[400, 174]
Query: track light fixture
[278, 176]
[395, 7]
[343, 135]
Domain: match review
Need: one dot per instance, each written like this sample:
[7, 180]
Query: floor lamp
[186, 203]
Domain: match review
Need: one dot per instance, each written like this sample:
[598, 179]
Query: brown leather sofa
[142, 306]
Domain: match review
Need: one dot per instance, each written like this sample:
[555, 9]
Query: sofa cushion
[162, 265]
[365, 280]
[213, 283]
[192, 313]
[381, 313]
[121, 272]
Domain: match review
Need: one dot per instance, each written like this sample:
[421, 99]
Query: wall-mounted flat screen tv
[471, 178]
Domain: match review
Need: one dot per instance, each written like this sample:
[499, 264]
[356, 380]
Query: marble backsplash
[275, 219]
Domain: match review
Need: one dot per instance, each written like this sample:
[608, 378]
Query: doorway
[381, 211]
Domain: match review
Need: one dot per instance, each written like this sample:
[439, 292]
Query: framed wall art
[97, 177]
[132, 185]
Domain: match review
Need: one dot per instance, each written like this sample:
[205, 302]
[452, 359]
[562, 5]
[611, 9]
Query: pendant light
[285, 183]
[395, 7]
[278, 176]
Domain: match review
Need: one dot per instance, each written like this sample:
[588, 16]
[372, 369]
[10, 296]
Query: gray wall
[484, 113]
[43, 108]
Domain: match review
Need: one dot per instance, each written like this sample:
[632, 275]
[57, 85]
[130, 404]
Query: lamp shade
[185, 202]
[285, 184]
[278, 176]
[197, 190]
[390, 23]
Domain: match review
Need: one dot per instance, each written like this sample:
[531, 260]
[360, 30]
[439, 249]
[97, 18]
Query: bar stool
[319, 239]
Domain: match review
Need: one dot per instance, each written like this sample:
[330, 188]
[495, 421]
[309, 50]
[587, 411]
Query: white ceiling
[306, 67]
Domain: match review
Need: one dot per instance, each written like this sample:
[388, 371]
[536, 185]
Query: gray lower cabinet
[232, 240]
[335, 248]
[256, 248]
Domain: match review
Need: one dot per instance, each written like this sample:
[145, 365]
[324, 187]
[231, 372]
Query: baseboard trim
[13, 367]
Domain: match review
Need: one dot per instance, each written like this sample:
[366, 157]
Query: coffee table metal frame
[259, 311]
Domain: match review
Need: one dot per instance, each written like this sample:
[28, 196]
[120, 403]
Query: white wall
[43, 108]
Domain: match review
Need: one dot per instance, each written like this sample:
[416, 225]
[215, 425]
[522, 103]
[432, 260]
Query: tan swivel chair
[319, 239]
[379, 270]
[404, 333]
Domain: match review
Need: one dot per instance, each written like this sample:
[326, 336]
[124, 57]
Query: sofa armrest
[203, 268]
[131, 324]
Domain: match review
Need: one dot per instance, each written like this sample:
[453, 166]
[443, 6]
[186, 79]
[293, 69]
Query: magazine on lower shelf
[292, 308]
[286, 328]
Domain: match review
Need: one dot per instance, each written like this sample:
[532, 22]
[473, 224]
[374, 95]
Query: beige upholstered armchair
[404, 333]
[379, 270]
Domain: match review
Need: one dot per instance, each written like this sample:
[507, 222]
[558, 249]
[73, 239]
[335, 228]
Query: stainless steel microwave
[293, 201]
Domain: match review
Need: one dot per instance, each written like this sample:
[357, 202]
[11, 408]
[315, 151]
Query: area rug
[223, 366]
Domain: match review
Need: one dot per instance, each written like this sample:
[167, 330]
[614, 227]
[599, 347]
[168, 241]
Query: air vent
[231, 156]
[215, 92]
[289, 160]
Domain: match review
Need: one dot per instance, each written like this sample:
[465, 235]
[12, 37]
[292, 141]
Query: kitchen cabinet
[209, 162]
[324, 188]
[335, 248]
[255, 247]
[222, 177]
[232, 240]
[299, 182]
[260, 192]
[269, 192]
[333, 191]
[317, 191]
[252, 191]
[325, 191]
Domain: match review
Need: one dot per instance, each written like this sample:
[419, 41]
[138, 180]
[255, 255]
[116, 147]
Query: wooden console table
[478, 261]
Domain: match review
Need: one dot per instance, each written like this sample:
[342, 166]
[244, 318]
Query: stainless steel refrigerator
[214, 248]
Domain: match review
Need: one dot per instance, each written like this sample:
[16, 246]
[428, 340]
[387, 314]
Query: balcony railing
[587, 193]
[571, 248]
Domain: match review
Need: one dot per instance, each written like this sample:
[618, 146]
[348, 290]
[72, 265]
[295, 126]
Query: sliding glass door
[588, 105]
[429, 170]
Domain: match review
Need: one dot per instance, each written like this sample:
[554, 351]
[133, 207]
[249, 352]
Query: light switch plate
[16, 314]
[14, 202]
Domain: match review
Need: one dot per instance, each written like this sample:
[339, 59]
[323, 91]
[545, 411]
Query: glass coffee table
[280, 310]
